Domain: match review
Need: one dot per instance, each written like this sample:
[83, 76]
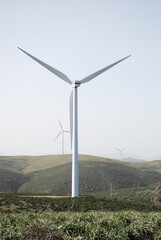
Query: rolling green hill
[52, 174]
[148, 194]
[11, 181]
[27, 164]
[15, 164]
[151, 166]
[94, 177]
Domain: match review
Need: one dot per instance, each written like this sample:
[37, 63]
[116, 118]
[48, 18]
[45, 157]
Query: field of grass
[86, 217]
[93, 225]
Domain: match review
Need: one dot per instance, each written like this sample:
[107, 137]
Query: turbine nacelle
[76, 84]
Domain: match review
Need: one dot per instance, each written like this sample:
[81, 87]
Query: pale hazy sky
[121, 107]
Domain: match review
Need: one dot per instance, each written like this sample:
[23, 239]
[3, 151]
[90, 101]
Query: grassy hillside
[150, 166]
[28, 164]
[15, 164]
[11, 181]
[52, 174]
[94, 177]
[148, 194]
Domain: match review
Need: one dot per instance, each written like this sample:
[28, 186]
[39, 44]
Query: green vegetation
[18, 203]
[151, 166]
[43, 174]
[149, 194]
[86, 217]
[28, 164]
[11, 181]
[129, 215]
[91, 225]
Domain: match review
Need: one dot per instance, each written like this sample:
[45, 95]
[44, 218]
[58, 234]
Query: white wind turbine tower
[62, 134]
[74, 113]
[121, 151]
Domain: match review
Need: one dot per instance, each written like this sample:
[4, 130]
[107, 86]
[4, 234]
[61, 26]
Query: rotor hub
[76, 84]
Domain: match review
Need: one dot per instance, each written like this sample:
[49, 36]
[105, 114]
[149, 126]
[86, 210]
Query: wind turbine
[121, 151]
[62, 134]
[74, 113]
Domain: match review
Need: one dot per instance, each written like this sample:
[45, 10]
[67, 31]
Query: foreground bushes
[86, 217]
[16, 203]
[94, 225]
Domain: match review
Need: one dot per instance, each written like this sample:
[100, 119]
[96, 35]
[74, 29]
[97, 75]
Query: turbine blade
[60, 125]
[57, 136]
[71, 117]
[93, 75]
[66, 131]
[117, 149]
[51, 69]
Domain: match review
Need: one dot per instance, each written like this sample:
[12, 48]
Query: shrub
[38, 233]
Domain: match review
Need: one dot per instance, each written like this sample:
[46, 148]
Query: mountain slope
[150, 166]
[27, 164]
[15, 164]
[12, 181]
[52, 174]
[94, 177]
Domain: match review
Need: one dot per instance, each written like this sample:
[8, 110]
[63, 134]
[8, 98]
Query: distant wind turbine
[74, 113]
[62, 134]
[121, 151]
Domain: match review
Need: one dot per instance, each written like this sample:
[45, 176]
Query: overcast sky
[121, 107]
